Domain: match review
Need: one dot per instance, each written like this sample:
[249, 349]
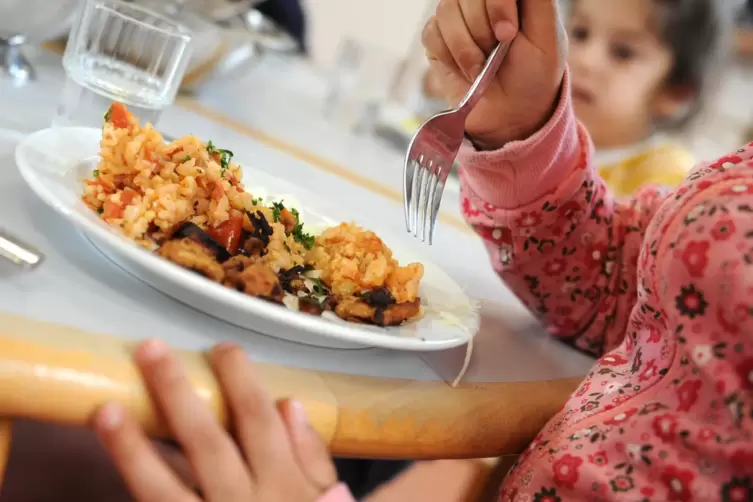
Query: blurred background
[359, 62]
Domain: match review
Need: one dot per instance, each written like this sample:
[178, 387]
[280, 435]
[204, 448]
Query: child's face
[618, 68]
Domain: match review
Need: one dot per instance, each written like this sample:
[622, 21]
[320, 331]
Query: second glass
[121, 52]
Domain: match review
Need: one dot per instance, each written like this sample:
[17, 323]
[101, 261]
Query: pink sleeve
[555, 234]
[339, 493]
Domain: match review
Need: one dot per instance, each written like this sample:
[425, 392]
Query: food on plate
[184, 200]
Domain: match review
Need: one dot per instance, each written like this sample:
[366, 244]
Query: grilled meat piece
[357, 310]
[193, 256]
[255, 279]
[192, 231]
[253, 246]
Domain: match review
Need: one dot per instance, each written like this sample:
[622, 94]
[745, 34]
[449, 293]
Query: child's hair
[694, 32]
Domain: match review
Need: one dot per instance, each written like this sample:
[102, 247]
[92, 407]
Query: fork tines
[422, 195]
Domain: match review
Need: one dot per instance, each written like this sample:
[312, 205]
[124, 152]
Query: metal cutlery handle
[18, 253]
[477, 90]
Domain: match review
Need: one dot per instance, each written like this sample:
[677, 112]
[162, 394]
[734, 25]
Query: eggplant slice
[378, 298]
[262, 229]
[291, 279]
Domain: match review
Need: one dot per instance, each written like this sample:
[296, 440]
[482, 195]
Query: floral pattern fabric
[660, 288]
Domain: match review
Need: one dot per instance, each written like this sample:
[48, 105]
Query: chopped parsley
[95, 173]
[188, 157]
[107, 115]
[256, 201]
[298, 234]
[277, 208]
[101, 210]
[225, 155]
[307, 240]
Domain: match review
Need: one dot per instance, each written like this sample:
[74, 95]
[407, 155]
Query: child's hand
[278, 457]
[462, 34]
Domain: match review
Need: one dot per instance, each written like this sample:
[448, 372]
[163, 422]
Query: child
[639, 70]
[660, 287]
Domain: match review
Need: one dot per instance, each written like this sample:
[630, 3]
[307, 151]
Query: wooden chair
[61, 375]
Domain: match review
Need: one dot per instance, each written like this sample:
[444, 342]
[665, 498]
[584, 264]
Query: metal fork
[432, 152]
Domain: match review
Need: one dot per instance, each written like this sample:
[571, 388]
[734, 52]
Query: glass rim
[179, 30]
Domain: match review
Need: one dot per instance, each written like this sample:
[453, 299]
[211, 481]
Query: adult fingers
[147, 476]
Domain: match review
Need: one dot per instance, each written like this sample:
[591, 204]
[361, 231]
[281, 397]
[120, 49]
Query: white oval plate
[54, 161]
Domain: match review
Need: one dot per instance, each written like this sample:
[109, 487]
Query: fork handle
[477, 90]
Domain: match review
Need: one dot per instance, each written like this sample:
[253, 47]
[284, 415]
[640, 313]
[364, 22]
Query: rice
[353, 260]
[146, 188]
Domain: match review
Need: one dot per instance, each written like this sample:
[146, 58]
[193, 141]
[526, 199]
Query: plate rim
[243, 303]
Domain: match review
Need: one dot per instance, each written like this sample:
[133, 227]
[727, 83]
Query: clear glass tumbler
[121, 52]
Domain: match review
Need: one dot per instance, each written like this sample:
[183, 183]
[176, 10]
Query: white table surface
[79, 287]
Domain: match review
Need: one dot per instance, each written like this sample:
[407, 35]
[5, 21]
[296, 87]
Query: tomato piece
[118, 115]
[127, 196]
[229, 233]
[112, 209]
[234, 182]
[96, 182]
[217, 191]
[103, 182]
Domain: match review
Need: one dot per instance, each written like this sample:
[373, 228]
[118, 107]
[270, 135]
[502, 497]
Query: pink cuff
[523, 171]
[339, 493]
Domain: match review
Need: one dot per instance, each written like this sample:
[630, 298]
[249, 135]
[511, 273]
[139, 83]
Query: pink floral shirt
[659, 287]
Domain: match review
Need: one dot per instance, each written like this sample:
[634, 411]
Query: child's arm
[555, 234]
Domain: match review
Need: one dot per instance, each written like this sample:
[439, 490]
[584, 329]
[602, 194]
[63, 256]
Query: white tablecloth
[78, 286]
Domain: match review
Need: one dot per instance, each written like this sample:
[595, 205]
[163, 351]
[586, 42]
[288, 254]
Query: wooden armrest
[61, 375]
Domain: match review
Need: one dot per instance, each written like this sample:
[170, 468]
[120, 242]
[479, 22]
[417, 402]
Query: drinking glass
[121, 52]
